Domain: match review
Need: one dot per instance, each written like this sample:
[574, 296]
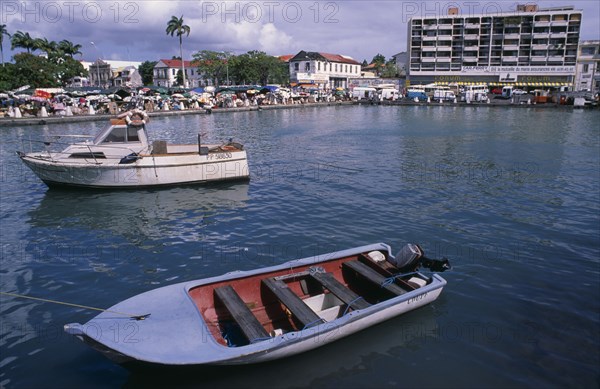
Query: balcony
[471, 48]
[430, 38]
[471, 25]
[560, 23]
[510, 47]
[443, 59]
[512, 36]
[428, 59]
[428, 48]
[472, 36]
[430, 27]
[538, 58]
[541, 35]
[541, 23]
[540, 47]
[509, 58]
[558, 35]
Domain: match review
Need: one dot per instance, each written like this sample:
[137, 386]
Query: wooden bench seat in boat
[242, 315]
[389, 270]
[293, 303]
[339, 290]
[374, 277]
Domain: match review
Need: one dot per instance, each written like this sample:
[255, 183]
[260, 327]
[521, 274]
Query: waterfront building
[529, 47]
[401, 59]
[127, 76]
[165, 74]
[106, 70]
[588, 67]
[323, 70]
[101, 74]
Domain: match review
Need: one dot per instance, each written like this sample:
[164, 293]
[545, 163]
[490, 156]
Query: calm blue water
[511, 196]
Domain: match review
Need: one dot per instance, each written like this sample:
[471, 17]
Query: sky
[135, 30]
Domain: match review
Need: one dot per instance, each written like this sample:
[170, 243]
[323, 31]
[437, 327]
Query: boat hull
[148, 171]
[177, 332]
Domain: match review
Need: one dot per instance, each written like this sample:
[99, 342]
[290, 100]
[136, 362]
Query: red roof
[176, 63]
[286, 58]
[339, 58]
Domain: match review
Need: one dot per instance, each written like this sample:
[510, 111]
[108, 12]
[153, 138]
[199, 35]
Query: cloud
[136, 29]
[272, 40]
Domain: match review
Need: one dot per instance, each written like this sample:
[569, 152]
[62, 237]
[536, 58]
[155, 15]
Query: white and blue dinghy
[247, 317]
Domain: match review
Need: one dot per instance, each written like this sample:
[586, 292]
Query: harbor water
[510, 196]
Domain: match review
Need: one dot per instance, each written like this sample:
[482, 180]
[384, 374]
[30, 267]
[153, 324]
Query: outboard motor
[411, 256]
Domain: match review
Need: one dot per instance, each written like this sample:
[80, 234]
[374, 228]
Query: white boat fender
[377, 256]
[276, 332]
[417, 282]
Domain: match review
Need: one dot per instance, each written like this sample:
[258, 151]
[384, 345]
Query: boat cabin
[121, 133]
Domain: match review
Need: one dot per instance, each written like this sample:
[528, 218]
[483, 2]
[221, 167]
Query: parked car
[519, 92]
[497, 91]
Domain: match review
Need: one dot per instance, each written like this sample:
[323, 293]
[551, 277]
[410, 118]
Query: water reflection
[139, 215]
[324, 366]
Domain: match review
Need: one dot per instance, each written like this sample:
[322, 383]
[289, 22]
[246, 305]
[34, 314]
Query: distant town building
[323, 70]
[78, 82]
[588, 67]
[103, 72]
[165, 74]
[127, 76]
[401, 59]
[529, 47]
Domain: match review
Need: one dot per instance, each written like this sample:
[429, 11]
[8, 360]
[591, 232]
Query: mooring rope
[134, 317]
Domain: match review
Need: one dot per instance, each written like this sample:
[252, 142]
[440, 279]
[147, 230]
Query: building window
[307, 67]
[296, 66]
[586, 68]
[335, 68]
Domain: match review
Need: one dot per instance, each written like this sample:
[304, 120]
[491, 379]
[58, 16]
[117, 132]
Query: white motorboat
[121, 156]
[247, 317]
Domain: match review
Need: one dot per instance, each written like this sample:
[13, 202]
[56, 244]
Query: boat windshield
[118, 134]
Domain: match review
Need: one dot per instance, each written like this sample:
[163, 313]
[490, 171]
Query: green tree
[390, 70]
[35, 71]
[146, 70]
[3, 31]
[257, 67]
[22, 40]
[378, 59]
[176, 26]
[213, 64]
[69, 48]
[48, 47]
[179, 78]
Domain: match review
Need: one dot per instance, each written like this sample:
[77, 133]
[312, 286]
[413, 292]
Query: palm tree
[3, 31]
[69, 48]
[176, 26]
[48, 47]
[22, 40]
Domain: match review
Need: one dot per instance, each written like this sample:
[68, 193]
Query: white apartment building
[588, 67]
[526, 47]
[165, 73]
[323, 70]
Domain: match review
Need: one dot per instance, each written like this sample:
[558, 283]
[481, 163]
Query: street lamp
[226, 54]
[97, 63]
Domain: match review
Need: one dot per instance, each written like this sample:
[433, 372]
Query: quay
[33, 121]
